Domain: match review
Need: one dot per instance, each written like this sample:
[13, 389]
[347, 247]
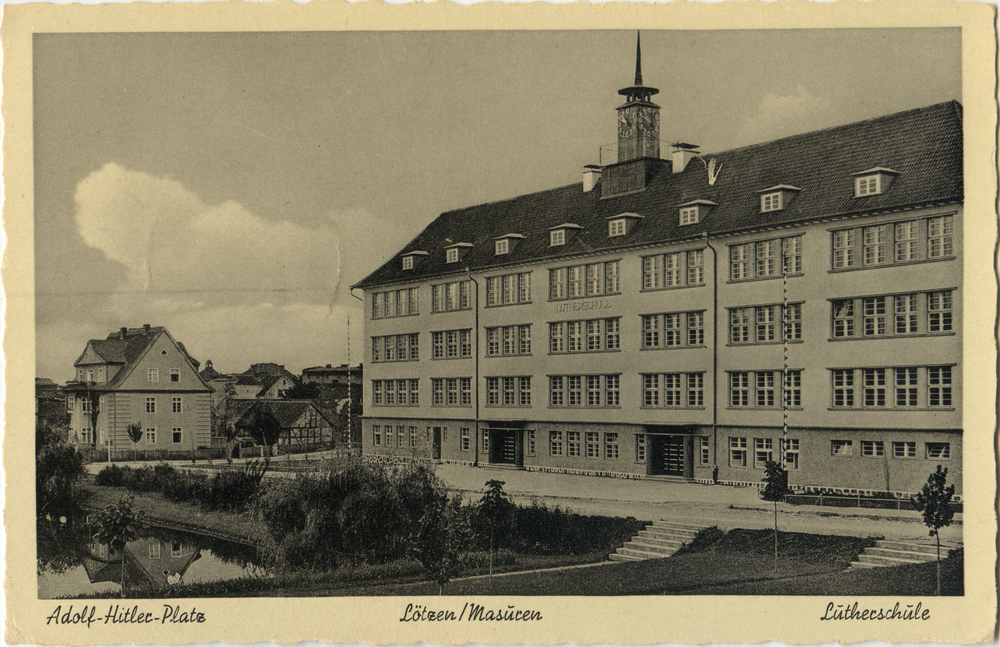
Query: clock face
[650, 120]
[626, 123]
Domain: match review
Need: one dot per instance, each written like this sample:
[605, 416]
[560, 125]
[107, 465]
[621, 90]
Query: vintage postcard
[500, 324]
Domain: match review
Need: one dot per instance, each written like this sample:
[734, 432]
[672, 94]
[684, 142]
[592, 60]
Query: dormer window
[502, 247]
[689, 215]
[770, 202]
[777, 197]
[616, 227]
[560, 234]
[411, 259]
[693, 212]
[621, 224]
[454, 253]
[873, 181]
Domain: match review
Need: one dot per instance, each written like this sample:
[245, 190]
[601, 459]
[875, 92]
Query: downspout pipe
[715, 354]
[468, 273]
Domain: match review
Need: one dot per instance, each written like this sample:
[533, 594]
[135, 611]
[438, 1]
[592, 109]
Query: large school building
[691, 316]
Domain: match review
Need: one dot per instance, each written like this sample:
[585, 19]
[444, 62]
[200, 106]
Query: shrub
[112, 476]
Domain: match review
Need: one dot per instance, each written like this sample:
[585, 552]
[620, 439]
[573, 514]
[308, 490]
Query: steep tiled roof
[286, 411]
[128, 351]
[924, 146]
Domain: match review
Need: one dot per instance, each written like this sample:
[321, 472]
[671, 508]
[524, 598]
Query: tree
[495, 512]
[119, 524]
[934, 503]
[775, 489]
[60, 534]
[134, 432]
[264, 428]
[440, 540]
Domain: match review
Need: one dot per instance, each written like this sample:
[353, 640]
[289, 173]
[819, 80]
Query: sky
[232, 186]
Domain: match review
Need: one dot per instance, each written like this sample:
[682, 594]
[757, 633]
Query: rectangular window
[593, 444]
[843, 248]
[673, 390]
[611, 390]
[939, 237]
[407, 262]
[465, 439]
[938, 451]
[760, 259]
[557, 237]
[398, 303]
[584, 280]
[377, 392]
[874, 316]
[377, 435]
[524, 391]
[866, 185]
[791, 447]
[150, 435]
[508, 340]
[390, 392]
[872, 448]
[906, 241]
[501, 247]
[737, 452]
[676, 269]
[175, 375]
[413, 436]
[874, 387]
[451, 255]
[86, 404]
[739, 325]
[150, 405]
[451, 395]
[906, 387]
[793, 321]
[939, 311]
[70, 403]
[450, 296]
[529, 442]
[556, 391]
[904, 449]
[679, 329]
[616, 227]
[508, 391]
[905, 314]
[704, 449]
[770, 202]
[400, 435]
[437, 391]
[874, 242]
[689, 215]
[388, 436]
[739, 389]
[793, 388]
[584, 390]
[939, 386]
[177, 405]
[573, 443]
[640, 448]
[177, 435]
[152, 375]
[843, 388]
[696, 267]
[154, 550]
[841, 447]
[762, 452]
[611, 446]
[555, 443]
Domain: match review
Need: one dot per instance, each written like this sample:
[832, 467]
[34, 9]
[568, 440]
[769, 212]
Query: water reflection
[163, 558]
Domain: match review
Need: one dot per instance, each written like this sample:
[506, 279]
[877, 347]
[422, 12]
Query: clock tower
[638, 118]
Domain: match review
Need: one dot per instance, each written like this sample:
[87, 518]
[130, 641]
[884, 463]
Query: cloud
[175, 247]
[780, 115]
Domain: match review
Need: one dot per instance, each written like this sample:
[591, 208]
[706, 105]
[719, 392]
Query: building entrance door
[671, 455]
[505, 447]
[436, 443]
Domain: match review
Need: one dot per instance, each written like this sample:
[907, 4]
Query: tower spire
[638, 60]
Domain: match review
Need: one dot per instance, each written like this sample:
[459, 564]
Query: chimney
[145, 328]
[124, 332]
[683, 153]
[591, 174]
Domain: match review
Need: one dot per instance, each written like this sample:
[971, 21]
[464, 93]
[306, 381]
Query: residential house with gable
[138, 375]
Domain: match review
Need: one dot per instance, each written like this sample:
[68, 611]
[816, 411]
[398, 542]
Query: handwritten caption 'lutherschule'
[118, 615]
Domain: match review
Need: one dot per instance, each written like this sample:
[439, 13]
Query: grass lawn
[172, 514]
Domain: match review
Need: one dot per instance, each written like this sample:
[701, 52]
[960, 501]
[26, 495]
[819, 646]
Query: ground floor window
[486, 440]
[388, 435]
[703, 455]
[464, 431]
[555, 443]
[762, 453]
[737, 452]
[377, 435]
[611, 446]
[904, 449]
[872, 448]
[593, 445]
[529, 438]
[150, 435]
[413, 436]
[791, 447]
[572, 443]
[841, 447]
[640, 448]
[939, 451]
[177, 435]
[400, 435]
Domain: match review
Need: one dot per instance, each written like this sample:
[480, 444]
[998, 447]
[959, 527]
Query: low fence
[884, 502]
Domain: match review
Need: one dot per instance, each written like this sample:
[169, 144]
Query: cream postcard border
[636, 620]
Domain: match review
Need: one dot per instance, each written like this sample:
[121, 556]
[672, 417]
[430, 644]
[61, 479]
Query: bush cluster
[229, 490]
[538, 529]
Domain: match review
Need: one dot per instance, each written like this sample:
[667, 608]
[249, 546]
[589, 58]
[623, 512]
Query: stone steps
[899, 553]
[659, 539]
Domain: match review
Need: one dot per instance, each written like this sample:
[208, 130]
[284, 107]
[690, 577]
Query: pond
[71, 562]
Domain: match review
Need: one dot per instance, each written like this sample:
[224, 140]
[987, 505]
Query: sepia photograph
[464, 320]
